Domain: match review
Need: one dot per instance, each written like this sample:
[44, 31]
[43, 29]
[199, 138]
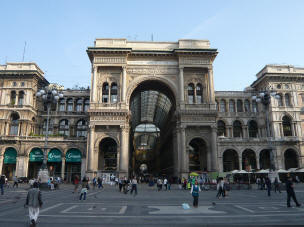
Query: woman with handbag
[195, 189]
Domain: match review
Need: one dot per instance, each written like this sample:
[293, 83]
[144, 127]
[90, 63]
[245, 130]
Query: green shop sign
[54, 155]
[10, 156]
[36, 155]
[73, 155]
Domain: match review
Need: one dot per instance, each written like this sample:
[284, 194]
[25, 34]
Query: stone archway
[107, 155]
[198, 155]
[152, 105]
[265, 159]
[291, 159]
[249, 160]
[230, 160]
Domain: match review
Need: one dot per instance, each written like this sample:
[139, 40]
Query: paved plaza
[149, 207]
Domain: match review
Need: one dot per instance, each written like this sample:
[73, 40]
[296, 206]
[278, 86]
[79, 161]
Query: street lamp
[50, 94]
[264, 97]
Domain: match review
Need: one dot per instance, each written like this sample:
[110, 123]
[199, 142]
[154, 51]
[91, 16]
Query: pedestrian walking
[94, 183]
[268, 185]
[290, 192]
[120, 183]
[15, 179]
[84, 188]
[134, 186]
[276, 185]
[220, 187]
[99, 181]
[195, 189]
[159, 184]
[2, 183]
[76, 183]
[166, 184]
[34, 202]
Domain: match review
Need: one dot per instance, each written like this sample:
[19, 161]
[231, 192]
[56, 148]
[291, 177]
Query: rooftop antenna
[152, 37]
[23, 51]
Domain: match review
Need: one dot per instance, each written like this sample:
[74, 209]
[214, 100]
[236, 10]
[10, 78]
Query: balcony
[51, 138]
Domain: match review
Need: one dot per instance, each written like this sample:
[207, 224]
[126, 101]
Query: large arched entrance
[197, 155]
[291, 159]
[248, 160]
[230, 160]
[9, 162]
[107, 158]
[35, 162]
[152, 105]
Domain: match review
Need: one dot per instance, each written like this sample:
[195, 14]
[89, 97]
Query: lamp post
[49, 95]
[264, 97]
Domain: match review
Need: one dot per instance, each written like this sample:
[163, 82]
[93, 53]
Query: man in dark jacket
[290, 192]
[33, 201]
[2, 183]
[268, 184]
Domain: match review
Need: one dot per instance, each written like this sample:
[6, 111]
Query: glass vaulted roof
[150, 110]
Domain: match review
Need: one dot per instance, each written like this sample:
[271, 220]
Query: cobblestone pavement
[109, 207]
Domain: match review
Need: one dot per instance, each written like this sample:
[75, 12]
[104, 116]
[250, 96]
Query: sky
[248, 34]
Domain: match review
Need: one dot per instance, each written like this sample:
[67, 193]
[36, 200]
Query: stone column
[124, 151]
[176, 154]
[281, 130]
[181, 85]
[182, 153]
[62, 168]
[213, 149]
[258, 162]
[211, 86]
[1, 164]
[83, 168]
[90, 146]
[20, 166]
[244, 129]
[124, 83]
[94, 84]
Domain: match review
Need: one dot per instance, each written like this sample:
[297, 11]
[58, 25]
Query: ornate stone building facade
[152, 107]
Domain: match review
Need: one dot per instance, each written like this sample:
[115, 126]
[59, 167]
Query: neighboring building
[151, 104]
[23, 124]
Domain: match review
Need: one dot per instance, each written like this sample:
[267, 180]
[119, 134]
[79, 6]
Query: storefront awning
[10, 156]
[54, 155]
[73, 155]
[36, 155]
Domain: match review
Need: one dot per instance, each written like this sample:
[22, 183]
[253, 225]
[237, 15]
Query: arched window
[105, 92]
[287, 100]
[64, 128]
[62, 105]
[113, 93]
[13, 97]
[222, 105]
[247, 105]
[280, 99]
[51, 125]
[230, 160]
[253, 129]
[287, 126]
[237, 129]
[221, 128]
[70, 105]
[199, 94]
[190, 93]
[254, 106]
[79, 105]
[14, 124]
[81, 128]
[86, 105]
[231, 106]
[21, 98]
[239, 105]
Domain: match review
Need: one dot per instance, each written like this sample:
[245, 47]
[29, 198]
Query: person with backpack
[195, 189]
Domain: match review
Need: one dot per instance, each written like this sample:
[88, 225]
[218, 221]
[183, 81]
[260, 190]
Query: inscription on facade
[110, 60]
[152, 71]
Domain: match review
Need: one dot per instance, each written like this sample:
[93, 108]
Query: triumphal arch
[151, 105]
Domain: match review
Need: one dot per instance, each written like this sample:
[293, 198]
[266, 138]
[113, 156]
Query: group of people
[163, 183]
